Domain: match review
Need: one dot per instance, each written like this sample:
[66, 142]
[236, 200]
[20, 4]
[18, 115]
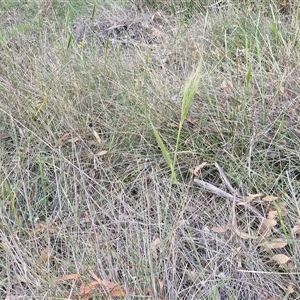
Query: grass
[103, 105]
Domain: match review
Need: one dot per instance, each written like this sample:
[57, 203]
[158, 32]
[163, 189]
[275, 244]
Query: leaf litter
[267, 224]
[46, 254]
[104, 288]
[154, 245]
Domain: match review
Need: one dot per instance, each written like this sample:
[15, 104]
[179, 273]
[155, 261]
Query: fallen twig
[226, 181]
[221, 193]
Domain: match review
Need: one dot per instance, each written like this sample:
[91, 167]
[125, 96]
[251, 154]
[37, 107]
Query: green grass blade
[164, 150]
[69, 41]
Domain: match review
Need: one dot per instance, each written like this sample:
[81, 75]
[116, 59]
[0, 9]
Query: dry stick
[250, 152]
[223, 194]
[234, 223]
[226, 181]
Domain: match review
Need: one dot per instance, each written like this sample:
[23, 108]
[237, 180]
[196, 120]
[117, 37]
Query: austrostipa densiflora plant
[188, 94]
[88, 208]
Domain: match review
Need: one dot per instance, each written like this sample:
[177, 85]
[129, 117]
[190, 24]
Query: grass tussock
[108, 111]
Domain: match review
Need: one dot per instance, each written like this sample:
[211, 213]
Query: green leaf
[164, 150]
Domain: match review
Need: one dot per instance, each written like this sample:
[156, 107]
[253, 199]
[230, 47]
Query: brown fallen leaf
[61, 140]
[161, 285]
[272, 214]
[282, 209]
[226, 85]
[296, 229]
[86, 288]
[172, 125]
[251, 197]
[149, 291]
[46, 254]
[95, 276]
[268, 297]
[290, 266]
[269, 198]
[217, 52]
[270, 222]
[68, 277]
[96, 135]
[192, 274]
[274, 244]
[41, 226]
[192, 122]
[290, 289]
[74, 140]
[195, 171]
[265, 227]
[255, 196]
[221, 229]
[87, 218]
[281, 259]
[153, 247]
[267, 224]
[113, 289]
[245, 235]
[101, 153]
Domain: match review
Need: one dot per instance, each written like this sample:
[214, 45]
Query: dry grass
[77, 79]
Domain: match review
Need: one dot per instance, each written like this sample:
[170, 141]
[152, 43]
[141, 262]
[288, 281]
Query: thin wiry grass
[78, 73]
